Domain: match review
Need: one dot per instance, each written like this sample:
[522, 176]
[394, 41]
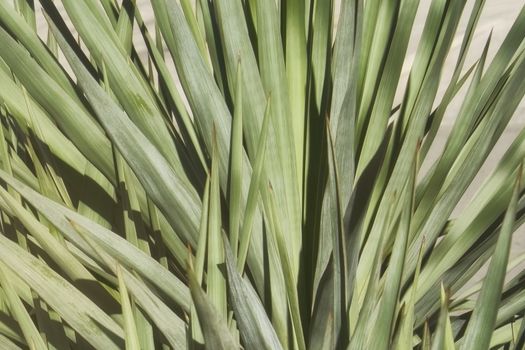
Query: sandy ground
[497, 17]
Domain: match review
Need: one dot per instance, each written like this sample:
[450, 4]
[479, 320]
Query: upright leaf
[256, 329]
[214, 326]
[481, 324]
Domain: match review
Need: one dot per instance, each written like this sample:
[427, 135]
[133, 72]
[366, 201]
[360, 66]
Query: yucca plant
[249, 179]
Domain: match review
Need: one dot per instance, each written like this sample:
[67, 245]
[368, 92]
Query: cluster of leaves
[249, 180]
